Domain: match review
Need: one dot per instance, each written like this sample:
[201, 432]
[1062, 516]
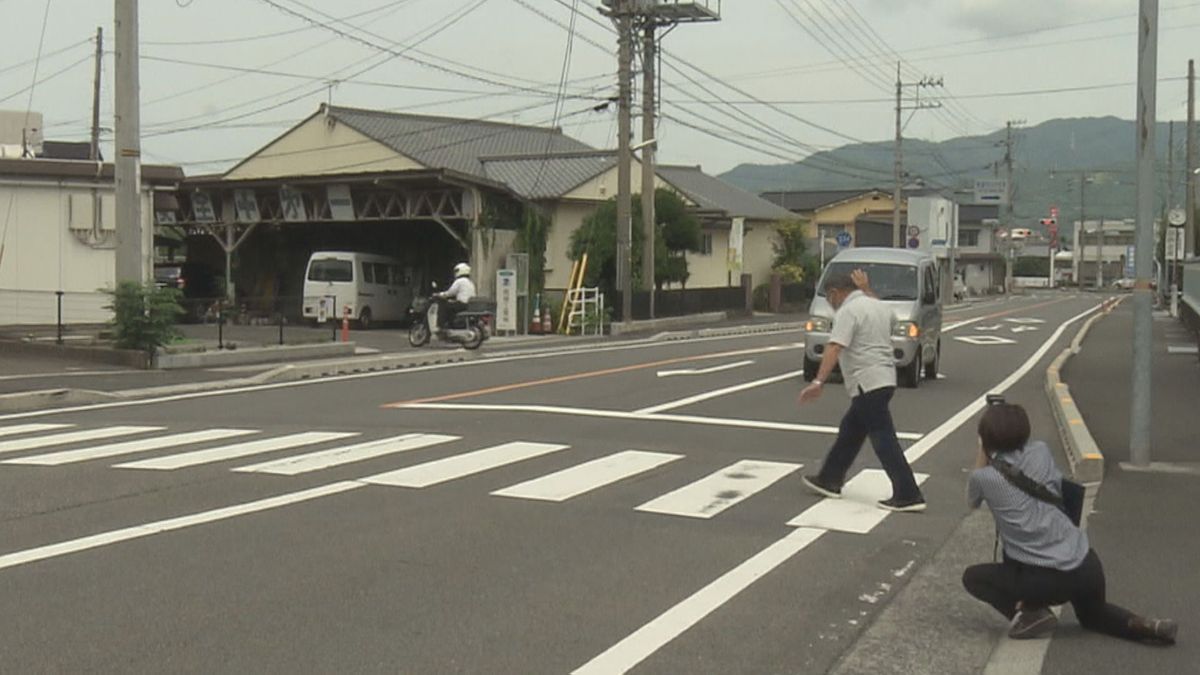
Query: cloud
[996, 17]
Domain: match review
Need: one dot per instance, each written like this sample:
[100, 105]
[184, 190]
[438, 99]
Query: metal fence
[682, 302]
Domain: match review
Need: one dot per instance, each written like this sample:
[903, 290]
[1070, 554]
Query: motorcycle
[469, 328]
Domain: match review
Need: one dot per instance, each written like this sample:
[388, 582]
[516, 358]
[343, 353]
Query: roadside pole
[1140, 413]
[130, 253]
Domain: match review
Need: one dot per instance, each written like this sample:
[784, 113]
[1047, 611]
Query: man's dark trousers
[869, 416]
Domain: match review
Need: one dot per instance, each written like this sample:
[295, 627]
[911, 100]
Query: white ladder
[585, 302]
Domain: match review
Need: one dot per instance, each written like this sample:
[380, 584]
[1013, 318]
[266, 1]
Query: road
[631, 508]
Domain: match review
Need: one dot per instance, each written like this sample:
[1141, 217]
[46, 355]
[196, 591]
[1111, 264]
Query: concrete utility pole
[898, 164]
[649, 54]
[623, 15]
[1140, 418]
[1193, 226]
[94, 152]
[1008, 205]
[130, 256]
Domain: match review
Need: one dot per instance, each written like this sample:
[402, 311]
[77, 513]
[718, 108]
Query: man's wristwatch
[819, 383]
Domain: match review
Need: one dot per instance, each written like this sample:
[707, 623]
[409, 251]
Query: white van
[373, 287]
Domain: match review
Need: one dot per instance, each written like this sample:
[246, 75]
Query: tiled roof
[811, 200]
[711, 193]
[548, 177]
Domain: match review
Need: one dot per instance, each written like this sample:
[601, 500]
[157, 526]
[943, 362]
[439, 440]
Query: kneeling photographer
[1047, 560]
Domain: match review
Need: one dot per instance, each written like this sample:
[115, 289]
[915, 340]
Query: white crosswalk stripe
[128, 447]
[459, 466]
[856, 511]
[226, 452]
[72, 437]
[18, 429]
[716, 492]
[324, 459]
[563, 485]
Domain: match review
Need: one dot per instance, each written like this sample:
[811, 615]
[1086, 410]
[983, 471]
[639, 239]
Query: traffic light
[1051, 225]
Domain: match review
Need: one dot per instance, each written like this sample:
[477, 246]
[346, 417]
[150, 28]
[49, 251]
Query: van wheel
[364, 319]
[810, 369]
[932, 368]
[910, 375]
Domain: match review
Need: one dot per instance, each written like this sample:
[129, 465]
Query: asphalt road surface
[635, 508]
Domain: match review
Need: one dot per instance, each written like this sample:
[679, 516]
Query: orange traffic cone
[547, 328]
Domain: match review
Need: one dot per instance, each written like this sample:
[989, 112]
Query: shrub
[144, 316]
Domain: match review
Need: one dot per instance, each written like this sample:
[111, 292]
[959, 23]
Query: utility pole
[898, 163]
[94, 152]
[1008, 203]
[130, 256]
[1193, 226]
[623, 15]
[1140, 418]
[1082, 226]
[649, 54]
[1169, 265]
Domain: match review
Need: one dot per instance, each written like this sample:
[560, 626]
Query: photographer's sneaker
[820, 487]
[914, 505]
[1033, 624]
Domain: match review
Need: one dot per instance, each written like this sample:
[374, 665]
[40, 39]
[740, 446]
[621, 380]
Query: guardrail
[1083, 453]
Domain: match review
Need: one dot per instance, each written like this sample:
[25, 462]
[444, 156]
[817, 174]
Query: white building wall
[42, 255]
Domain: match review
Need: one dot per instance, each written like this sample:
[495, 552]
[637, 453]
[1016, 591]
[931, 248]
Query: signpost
[991, 191]
[506, 300]
[843, 239]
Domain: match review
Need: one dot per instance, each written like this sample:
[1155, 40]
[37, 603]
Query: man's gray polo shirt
[863, 327]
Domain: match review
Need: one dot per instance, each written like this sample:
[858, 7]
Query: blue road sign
[914, 243]
[843, 239]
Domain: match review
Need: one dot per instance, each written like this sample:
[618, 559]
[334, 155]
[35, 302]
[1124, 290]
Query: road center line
[967, 322]
[719, 392]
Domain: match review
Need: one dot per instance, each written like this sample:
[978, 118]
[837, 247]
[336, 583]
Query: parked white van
[373, 287]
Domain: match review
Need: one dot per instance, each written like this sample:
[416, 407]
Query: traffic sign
[1053, 211]
[843, 239]
[1177, 218]
[914, 231]
[914, 243]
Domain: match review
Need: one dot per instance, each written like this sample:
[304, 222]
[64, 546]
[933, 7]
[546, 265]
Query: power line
[392, 4]
[47, 55]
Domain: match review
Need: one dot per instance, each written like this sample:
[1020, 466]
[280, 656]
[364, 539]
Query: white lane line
[488, 360]
[72, 437]
[459, 466]
[718, 491]
[725, 391]
[627, 653]
[856, 511]
[18, 429]
[622, 415]
[128, 447]
[563, 485]
[704, 371]
[137, 531]
[324, 459]
[235, 451]
[931, 439]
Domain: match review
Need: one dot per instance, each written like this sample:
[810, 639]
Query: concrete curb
[666, 323]
[755, 329]
[34, 400]
[252, 355]
[303, 371]
[1083, 454]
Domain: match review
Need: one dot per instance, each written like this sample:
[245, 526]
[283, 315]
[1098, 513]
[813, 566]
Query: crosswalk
[257, 452]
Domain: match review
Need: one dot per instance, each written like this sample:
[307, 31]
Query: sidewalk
[1145, 524]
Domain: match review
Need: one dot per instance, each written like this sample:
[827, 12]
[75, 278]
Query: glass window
[330, 269]
[368, 273]
[890, 282]
[706, 244]
[968, 238]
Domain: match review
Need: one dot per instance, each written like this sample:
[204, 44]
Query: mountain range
[1048, 160]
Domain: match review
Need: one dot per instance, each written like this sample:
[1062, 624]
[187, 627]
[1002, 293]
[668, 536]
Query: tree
[792, 259]
[677, 232]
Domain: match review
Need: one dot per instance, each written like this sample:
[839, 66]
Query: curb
[46, 398]
[1083, 454]
[252, 355]
[737, 330]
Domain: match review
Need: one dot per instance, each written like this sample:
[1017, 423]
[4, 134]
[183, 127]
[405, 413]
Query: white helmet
[462, 269]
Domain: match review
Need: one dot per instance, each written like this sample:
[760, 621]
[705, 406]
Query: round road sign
[843, 239]
[914, 242]
[1177, 217]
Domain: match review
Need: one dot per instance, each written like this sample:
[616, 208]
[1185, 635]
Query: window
[368, 273]
[706, 244]
[890, 282]
[381, 273]
[968, 238]
[331, 269]
[929, 297]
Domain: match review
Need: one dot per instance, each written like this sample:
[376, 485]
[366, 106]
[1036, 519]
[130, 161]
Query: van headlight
[906, 329]
[816, 324]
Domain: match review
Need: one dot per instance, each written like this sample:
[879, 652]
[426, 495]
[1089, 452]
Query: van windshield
[889, 282]
[330, 269]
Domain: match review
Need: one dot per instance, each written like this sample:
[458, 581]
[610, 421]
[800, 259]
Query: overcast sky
[836, 56]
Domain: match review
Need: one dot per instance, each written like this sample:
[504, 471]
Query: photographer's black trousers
[1002, 585]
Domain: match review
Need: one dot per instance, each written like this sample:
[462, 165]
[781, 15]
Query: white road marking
[505, 357]
[622, 415]
[72, 437]
[719, 392]
[563, 485]
[324, 459]
[459, 466]
[856, 511]
[17, 429]
[145, 530]
[985, 340]
[704, 371]
[993, 327]
[1025, 320]
[716, 492]
[128, 447]
[225, 452]
[1183, 349]
[627, 653]
[1024, 329]
[931, 439]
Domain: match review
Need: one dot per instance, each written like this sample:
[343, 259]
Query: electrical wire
[392, 4]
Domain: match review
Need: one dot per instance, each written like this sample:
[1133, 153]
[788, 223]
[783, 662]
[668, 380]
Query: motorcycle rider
[454, 299]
